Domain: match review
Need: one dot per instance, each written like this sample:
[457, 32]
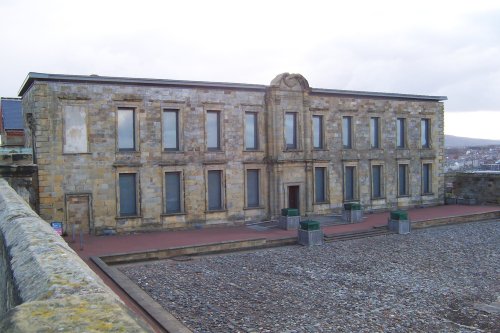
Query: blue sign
[58, 227]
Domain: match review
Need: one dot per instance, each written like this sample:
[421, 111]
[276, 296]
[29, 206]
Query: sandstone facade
[296, 157]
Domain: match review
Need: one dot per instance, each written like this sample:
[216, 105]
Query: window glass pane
[291, 130]
[426, 178]
[213, 130]
[253, 188]
[214, 190]
[347, 132]
[377, 181]
[318, 131]
[75, 129]
[172, 192]
[170, 129]
[126, 135]
[349, 183]
[424, 133]
[374, 132]
[319, 179]
[128, 203]
[251, 130]
[402, 179]
[400, 133]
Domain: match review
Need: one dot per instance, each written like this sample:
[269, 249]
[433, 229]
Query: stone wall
[94, 174]
[476, 187]
[49, 288]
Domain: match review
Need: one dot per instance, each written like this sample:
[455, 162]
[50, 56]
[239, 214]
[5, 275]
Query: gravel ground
[427, 281]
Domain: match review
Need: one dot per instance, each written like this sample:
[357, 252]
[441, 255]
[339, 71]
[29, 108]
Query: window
[173, 192]
[426, 178]
[403, 179]
[320, 184]
[128, 194]
[213, 130]
[377, 182]
[425, 139]
[291, 130]
[126, 129]
[347, 132]
[401, 133]
[170, 129]
[214, 189]
[251, 133]
[253, 188]
[317, 132]
[75, 130]
[375, 132]
[350, 183]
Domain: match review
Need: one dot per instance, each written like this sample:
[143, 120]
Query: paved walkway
[106, 245]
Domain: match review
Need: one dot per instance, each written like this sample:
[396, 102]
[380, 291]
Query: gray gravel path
[428, 281]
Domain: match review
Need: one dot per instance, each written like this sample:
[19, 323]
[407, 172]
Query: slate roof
[12, 113]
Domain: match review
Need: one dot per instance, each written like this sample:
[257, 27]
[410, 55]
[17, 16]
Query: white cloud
[427, 47]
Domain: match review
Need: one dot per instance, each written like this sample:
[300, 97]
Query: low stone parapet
[56, 290]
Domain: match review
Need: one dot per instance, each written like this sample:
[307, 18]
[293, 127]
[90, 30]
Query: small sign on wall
[58, 227]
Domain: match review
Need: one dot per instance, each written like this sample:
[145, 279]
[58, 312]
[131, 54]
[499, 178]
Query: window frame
[255, 116]
[401, 129]
[295, 144]
[65, 150]
[354, 186]
[247, 183]
[180, 195]
[222, 198]
[320, 132]
[406, 180]
[136, 212]
[134, 129]
[375, 127]
[429, 178]
[208, 134]
[425, 134]
[381, 182]
[177, 129]
[347, 132]
[324, 180]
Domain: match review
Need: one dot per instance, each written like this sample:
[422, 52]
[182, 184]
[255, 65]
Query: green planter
[352, 206]
[289, 212]
[399, 215]
[309, 225]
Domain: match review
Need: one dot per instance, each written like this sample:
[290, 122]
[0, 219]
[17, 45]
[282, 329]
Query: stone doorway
[78, 213]
[294, 197]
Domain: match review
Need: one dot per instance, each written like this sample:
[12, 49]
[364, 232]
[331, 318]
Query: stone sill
[173, 214]
[128, 217]
[254, 208]
[216, 211]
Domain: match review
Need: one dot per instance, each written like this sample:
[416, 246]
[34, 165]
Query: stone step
[357, 235]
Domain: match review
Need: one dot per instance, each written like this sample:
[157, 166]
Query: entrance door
[293, 197]
[78, 213]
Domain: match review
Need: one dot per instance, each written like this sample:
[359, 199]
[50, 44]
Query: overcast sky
[445, 48]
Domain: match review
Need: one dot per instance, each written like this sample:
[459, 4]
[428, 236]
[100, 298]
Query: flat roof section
[32, 77]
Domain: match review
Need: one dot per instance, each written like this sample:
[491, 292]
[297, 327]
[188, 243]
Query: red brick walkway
[104, 245]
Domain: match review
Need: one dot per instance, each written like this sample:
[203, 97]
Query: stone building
[143, 154]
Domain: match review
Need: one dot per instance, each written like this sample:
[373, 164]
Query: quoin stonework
[126, 154]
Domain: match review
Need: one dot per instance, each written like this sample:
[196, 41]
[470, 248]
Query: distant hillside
[451, 141]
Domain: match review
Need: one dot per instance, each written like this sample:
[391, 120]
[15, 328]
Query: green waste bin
[309, 225]
[399, 215]
[289, 212]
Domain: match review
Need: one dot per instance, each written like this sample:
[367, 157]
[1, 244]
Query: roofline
[32, 77]
[377, 94]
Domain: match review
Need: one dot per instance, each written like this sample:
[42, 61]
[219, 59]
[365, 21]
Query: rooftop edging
[32, 77]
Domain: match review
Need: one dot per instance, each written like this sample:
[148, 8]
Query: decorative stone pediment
[287, 81]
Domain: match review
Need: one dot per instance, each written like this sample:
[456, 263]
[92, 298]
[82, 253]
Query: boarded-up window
[75, 130]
